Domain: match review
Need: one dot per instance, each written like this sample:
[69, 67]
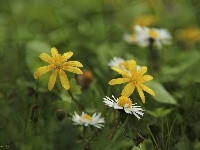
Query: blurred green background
[94, 31]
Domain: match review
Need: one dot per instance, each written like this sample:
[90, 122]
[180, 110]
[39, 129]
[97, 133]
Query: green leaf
[74, 87]
[146, 145]
[117, 135]
[161, 95]
[176, 68]
[184, 144]
[197, 145]
[33, 50]
[160, 112]
[142, 125]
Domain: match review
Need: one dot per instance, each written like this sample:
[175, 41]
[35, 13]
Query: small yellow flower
[58, 63]
[190, 34]
[135, 78]
[145, 20]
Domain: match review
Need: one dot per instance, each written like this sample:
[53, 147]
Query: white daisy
[124, 103]
[130, 38]
[121, 63]
[86, 119]
[161, 36]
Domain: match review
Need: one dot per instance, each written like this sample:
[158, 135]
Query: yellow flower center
[57, 63]
[153, 34]
[87, 117]
[122, 101]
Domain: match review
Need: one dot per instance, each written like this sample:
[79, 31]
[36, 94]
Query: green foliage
[32, 117]
[146, 145]
[161, 95]
[184, 144]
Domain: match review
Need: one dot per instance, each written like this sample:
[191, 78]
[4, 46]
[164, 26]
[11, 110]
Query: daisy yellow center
[87, 117]
[153, 34]
[122, 101]
[132, 37]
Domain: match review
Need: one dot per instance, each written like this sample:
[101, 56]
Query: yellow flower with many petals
[58, 63]
[135, 78]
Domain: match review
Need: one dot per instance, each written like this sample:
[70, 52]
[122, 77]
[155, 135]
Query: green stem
[153, 137]
[115, 126]
[154, 57]
[77, 102]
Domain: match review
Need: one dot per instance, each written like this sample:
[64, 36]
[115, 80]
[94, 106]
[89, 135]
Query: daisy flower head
[124, 103]
[135, 79]
[160, 36]
[57, 64]
[115, 62]
[86, 119]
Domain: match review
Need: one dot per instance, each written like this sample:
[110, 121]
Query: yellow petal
[54, 52]
[147, 78]
[46, 57]
[120, 71]
[72, 69]
[125, 64]
[52, 80]
[68, 54]
[118, 81]
[142, 70]
[64, 80]
[128, 89]
[148, 90]
[132, 65]
[141, 93]
[42, 70]
[73, 64]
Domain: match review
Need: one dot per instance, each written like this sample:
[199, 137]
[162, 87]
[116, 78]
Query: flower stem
[154, 57]
[77, 102]
[153, 138]
[115, 126]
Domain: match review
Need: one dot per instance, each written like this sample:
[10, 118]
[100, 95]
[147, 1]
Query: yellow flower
[58, 63]
[135, 78]
[190, 34]
[145, 20]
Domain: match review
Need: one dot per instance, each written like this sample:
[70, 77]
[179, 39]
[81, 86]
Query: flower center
[57, 62]
[122, 101]
[86, 117]
[153, 34]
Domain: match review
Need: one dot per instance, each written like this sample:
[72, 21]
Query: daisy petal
[46, 57]
[64, 80]
[128, 89]
[118, 81]
[141, 93]
[52, 80]
[148, 90]
[42, 70]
